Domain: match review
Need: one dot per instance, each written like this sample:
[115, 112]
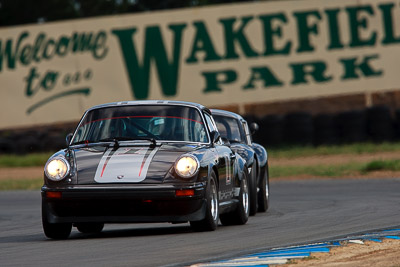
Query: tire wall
[40, 139]
[374, 124]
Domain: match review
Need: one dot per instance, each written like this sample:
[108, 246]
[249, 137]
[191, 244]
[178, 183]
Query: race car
[144, 161]
[236, 133]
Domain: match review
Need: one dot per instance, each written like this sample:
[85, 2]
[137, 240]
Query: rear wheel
[55, 230]
[263, 193]
[90, 228]
[210, 222]
[241, 214]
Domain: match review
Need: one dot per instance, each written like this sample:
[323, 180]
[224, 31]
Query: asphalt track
[301, 212]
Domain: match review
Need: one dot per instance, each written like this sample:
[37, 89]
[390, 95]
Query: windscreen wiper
[122, 138]
[151, 139]
[112, 139]
[83, 142]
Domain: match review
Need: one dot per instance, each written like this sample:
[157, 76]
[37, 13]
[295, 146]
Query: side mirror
[226, 141]
[68, 139]
[254, 128]
[215, 136]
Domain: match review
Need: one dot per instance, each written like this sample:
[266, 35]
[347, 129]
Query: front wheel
[263, 193]
[55, 230]
[210, 221]
[90, 228]
[241, 214]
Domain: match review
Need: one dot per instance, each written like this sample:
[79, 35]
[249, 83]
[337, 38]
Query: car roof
[226, 114]
[150, 102]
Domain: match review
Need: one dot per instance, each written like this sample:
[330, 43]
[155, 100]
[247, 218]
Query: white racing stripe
[124, 165]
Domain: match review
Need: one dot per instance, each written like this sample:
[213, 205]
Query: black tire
[298, 128]
[241, 214]
[263, 193]
[90, 228]
[253, 191]
[55, 230]
[380, 124]
[7, 146]
[325, 130]
[271, 131]
[210, 221]
[352, 126]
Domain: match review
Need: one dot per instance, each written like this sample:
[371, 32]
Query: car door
[225, 164]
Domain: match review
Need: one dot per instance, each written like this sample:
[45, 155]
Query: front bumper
[127, 203]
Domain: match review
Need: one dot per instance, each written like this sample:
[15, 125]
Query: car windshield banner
[217, 55]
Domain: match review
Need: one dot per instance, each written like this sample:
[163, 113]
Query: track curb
[285, 254]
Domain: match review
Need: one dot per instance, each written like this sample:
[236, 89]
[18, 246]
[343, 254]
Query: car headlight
[57, 168]
[187, 166]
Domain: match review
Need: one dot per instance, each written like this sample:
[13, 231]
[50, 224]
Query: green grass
[340, 170]
[29, 160]
[359, 148]
[21, 184]
[379, 165]
[316, 170]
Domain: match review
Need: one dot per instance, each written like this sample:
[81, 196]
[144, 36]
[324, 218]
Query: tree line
[18, 12]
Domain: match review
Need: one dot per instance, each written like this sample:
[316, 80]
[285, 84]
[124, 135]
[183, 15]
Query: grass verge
[29, 160]
[358, 148]
[379, 165]
[21, 184]
[340, 170]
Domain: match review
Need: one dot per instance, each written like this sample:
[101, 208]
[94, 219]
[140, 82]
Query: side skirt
[228, 206]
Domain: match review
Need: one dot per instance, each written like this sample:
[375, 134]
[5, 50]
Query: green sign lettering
[304, 29]
[389, 37]
[202, 42]
[352, 67]
[232, 36]
[270, 33]
[154, 51]
[263, 74]
[357, 23]
[314, 69]
[333, 26]
[214, 80]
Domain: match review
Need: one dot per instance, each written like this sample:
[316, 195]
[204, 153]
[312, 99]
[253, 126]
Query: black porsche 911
[235, 130]
[144, 161]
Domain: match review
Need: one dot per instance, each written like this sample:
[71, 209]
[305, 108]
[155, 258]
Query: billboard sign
[218, 55]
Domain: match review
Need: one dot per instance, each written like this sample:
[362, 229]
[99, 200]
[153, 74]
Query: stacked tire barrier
[376, 124]
[380, 126]
[351, 126]
[33, 141]
[325, 130]
[298, 128]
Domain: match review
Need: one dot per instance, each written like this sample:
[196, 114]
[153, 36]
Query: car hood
[127, 163]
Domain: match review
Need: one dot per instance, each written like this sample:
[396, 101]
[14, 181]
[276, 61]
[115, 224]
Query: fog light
[184, 193]
[53, 194]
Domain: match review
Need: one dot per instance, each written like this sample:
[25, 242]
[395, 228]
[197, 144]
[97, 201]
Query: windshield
[142, 122]
[229, 128]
